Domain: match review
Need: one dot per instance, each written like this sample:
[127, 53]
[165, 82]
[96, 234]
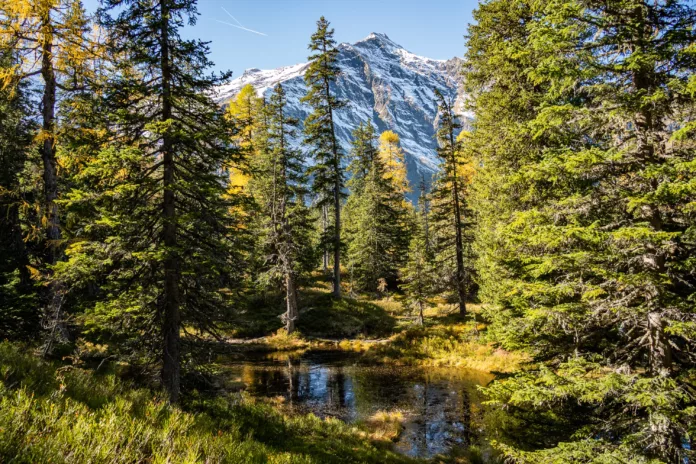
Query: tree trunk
[57, 328]
[337, 202]
[337, 242]
[660, 349]
[325, 225]
[291, 298]
[421, 319]
[48, 147]
[171, 356]
[459, 243]
[649, 130]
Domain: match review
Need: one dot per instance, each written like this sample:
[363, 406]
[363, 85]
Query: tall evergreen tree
[160, 234]
[449, 205]
[584, 135]
[280, 185]
[375, 227]
[417, 275]
[320, 136]
[18, 314]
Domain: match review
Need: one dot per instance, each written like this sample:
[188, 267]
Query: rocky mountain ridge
[379, 80]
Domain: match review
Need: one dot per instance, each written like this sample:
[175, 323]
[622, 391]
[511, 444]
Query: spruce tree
[449, 201]
[417, 275]
[279, 183]
[375, 228]
[160, 234]
[585, 237]
[320, 136]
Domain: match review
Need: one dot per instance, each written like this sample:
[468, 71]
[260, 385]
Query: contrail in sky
[230, 15]
[239, 25]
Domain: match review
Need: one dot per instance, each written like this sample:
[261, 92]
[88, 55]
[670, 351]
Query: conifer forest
[187, 277]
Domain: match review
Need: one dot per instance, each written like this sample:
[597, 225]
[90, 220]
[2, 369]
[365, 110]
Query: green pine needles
[320, 136]
[154, 227]
[584, 201]
[280, 186]
[375, 228]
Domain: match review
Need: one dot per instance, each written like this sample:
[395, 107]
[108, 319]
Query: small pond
[441, 407]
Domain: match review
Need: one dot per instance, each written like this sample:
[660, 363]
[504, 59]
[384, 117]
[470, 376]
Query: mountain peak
[379, 37]
[382, 82]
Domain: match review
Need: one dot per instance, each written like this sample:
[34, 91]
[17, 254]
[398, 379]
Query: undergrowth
[60, 414]
[447, 343]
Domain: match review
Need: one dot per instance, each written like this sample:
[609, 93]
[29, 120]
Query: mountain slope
[379, 80]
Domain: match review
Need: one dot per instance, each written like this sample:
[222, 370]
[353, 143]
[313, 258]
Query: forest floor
[56, 412]
[72, 411]
[378, 327]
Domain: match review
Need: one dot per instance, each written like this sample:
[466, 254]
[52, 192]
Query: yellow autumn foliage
[393, 158]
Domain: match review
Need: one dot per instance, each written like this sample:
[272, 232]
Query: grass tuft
[52, 413]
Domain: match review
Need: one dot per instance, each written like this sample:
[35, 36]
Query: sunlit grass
[385, 425]
[52, 413]
[382, 329]
[447, 343]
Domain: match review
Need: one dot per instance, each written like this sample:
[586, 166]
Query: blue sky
[432, 28]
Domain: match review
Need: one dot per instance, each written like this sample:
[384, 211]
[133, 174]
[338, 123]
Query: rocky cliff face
[382, 81]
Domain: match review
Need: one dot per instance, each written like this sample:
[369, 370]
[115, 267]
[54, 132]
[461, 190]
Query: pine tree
[585, 142]
[279, 183]
[449, 201]
[417, 274]
[375, 227]
[320, 136]
[159, 240]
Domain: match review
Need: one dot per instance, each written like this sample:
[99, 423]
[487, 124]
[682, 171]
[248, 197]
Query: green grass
[382, 329]
[64, 414]
[324, 316]
[446, 341]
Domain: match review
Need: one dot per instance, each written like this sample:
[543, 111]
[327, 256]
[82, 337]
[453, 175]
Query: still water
[441, 407]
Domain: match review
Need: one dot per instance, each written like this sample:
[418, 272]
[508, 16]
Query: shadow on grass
[323, 441]
[323, 316]
[320, 316]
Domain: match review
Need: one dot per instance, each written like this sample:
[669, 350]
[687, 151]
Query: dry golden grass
[385, 425]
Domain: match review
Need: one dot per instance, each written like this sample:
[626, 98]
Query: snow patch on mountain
[382, 81]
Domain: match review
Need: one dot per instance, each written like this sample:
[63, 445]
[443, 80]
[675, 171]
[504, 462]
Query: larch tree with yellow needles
[51, 44]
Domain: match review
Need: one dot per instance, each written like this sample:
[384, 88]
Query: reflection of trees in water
[380, 388]
[293, 377]
[442, 416]
[465, 414]
[442, 408]
[336, 388]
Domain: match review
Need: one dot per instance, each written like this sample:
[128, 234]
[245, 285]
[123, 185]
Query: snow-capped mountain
[379, 80]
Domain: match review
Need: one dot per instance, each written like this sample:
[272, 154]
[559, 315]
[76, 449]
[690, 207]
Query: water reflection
[441, 406]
